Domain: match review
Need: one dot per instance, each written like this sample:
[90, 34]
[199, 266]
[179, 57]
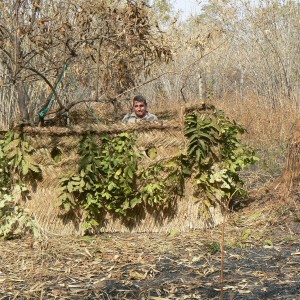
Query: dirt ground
[261, 261]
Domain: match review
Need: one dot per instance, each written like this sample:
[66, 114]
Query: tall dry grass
[268, 132]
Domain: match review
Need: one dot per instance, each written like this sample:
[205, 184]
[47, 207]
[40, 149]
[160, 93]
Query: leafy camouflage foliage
[109, 178]
[16, 168]
[215, 155]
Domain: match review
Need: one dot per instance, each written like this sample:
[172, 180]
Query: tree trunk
[21, 99]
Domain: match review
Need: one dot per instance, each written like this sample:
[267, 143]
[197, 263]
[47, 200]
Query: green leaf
[118, 173]
[34, 168]
[111, 186]
[70, 187]
[135, 201]
[106, 195]
[151, 152]
[25, 167]
[246, 234]
[82, 182]
[14, 152]
[130, 173]
[12, 145]
[125, 205]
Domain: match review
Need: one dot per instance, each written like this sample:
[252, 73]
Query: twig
[223, 245]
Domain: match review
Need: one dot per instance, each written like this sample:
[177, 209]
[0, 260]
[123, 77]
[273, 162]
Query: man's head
[140, 106]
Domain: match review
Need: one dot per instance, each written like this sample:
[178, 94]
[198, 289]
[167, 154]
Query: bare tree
[103, 45]
[238, 49]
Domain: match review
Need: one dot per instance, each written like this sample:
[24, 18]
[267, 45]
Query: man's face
[140, 108]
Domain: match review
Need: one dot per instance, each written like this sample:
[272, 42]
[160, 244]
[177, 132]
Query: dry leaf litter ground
[262, 261]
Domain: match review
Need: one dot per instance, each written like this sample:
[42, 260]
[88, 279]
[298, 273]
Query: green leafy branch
[109, 180]
[106, 179]
[162, 182]
[215, 155]
[16, 167]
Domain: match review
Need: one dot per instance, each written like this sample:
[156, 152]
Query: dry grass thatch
[168, 139]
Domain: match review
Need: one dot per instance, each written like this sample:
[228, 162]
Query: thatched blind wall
[168, 139]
